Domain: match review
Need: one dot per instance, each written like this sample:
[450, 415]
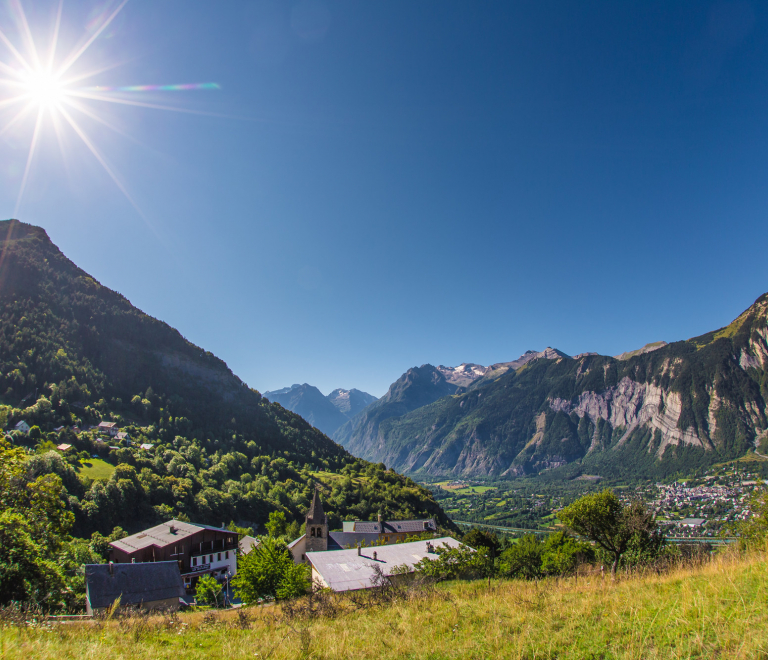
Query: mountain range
[326, 413]
[199, 443]
[653, 411]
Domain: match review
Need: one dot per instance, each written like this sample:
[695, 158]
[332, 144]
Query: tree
[602, 518]
[33, 527]
[268, 572]
[452, 563]
[487, 545]
[276, 525]
[25, 574]
[207, 591]
[523, 559]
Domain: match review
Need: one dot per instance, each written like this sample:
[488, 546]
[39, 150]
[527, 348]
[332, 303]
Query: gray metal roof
[161, 535]
[396, 526]
[134, 583]
[344, 570]
[247, 543]
[343, 540]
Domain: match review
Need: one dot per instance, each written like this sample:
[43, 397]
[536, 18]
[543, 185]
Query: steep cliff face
[669, 407]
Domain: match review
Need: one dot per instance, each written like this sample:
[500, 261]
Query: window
[312, 531]
[226, 555]
[319, 533]
[219, 557]
[211, 559]
[194, 561]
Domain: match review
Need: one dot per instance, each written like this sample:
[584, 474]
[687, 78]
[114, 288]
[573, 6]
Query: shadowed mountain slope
[74, 353]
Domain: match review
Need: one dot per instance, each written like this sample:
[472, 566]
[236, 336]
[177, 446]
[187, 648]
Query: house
[75, 429]
[146, 446]
[391, 531]
[197, 550]
[58, 429]
[122, 435]
[247, 543]
[64, 447]
[22, 426]
[146, 586]
[693, 522]
[349, 570]
[318, 538]
[109, 428]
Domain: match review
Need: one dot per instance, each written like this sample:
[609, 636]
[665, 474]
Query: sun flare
[44, 89]
[35, 87]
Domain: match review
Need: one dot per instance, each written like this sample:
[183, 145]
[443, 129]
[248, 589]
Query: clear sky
[377, 185]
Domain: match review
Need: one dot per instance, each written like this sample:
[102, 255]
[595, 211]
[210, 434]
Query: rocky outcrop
[630, 405]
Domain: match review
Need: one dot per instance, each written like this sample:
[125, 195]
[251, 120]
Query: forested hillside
[683, 405]
[74, 353]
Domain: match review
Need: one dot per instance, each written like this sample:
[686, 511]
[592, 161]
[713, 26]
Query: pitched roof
[247, 543]
[316, 515]
[107, 425]
[396, 526]
[161, 535]
[344, 540]
[345, 570]
[133, 583]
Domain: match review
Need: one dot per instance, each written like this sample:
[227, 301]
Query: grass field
[715, 611]
[95, 468]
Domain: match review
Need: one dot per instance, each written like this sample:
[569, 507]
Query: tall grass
[718, 609]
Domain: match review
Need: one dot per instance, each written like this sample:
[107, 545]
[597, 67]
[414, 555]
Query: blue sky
[380, 185]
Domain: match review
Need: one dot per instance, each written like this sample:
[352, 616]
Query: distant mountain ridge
[326, 413]
[653, 410]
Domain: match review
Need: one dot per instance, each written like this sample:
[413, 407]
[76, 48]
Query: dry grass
[718, 610]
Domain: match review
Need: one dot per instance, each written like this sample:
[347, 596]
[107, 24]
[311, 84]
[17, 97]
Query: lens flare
[40, 89]
[44, 89]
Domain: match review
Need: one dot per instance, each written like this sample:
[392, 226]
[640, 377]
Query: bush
[268, 572]
[207, 591]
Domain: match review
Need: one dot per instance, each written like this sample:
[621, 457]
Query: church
[318, 538]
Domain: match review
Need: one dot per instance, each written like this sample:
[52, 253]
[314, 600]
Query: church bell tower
[316, 525]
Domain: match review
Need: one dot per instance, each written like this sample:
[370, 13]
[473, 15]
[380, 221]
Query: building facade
[197, 549]
[317, 537]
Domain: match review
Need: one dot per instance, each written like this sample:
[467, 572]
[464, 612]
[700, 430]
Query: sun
[44, 88]
[32, 86]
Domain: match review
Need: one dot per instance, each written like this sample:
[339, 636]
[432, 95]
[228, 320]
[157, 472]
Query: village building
[22, 426]
[349, 570]
[247, 543]
[107, 427]
[122, 435]
[145, 586]
[317, 537]
[197, 550]
[64, 447]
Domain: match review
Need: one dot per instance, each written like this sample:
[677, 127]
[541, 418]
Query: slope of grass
[715, 611]
[95, 468]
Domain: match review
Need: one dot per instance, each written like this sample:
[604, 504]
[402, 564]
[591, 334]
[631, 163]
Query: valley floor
[719, 610]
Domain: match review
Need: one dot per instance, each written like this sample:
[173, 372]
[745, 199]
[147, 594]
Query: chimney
[374, 556]
[358, 550]
[133, 560]
[111, 569]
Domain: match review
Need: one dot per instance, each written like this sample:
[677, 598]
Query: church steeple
[316, 525]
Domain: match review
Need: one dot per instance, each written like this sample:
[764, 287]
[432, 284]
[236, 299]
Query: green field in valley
[95, 468]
